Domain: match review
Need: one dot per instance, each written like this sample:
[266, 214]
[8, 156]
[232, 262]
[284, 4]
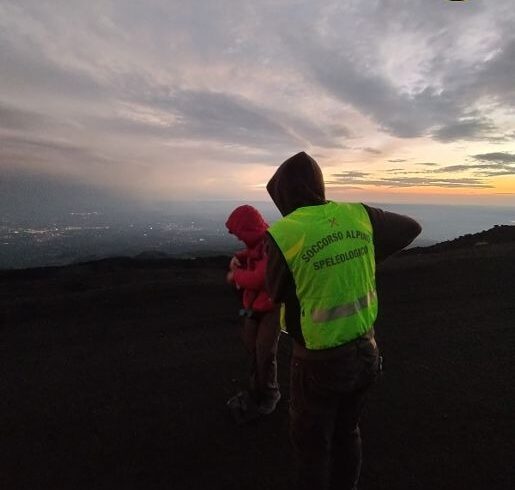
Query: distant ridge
[499, 234]
[116, 264]
[484, 240]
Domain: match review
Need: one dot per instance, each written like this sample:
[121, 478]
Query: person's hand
[234, 264]
[230, 277]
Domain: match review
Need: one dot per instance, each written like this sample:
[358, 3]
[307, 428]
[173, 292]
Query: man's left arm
[278, 276]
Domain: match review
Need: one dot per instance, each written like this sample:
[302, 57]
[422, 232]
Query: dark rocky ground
[115, 375]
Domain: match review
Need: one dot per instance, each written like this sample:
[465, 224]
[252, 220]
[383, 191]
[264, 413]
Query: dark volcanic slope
[499, 234]
[115, 375]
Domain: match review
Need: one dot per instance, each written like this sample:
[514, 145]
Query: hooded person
[322, 258]
[261, 330]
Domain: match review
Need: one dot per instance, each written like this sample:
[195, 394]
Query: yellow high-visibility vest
[329, 249]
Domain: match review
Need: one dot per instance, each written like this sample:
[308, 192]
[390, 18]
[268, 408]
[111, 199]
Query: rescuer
[321, 265]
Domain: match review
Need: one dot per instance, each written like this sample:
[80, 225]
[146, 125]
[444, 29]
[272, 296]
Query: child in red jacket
[261, 328]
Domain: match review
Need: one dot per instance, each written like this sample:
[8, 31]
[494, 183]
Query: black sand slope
[115, 375]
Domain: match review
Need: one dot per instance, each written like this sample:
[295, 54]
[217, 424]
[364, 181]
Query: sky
[397, 100]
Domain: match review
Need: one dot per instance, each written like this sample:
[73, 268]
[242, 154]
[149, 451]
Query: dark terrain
[115, 375]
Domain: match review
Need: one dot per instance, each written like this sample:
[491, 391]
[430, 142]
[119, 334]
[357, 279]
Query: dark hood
[247, 224]
[296, 183]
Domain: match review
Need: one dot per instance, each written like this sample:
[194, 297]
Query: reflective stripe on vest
[319, 315]
[330, 252]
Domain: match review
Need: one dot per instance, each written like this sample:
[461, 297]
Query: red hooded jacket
[247, 224]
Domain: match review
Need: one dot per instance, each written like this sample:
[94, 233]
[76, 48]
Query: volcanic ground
[115, 375]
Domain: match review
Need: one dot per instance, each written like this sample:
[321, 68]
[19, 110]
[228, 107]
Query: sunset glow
[397, 101]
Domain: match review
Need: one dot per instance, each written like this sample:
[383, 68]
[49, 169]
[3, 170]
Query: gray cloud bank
[486, 165]
[346, 179]
[111, 90]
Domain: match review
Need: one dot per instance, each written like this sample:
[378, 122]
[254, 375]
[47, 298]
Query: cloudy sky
[398, 100]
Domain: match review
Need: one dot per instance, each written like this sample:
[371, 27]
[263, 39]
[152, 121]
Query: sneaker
[266, 407]
[243, 408]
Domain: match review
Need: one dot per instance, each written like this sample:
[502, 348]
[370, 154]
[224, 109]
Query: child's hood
[247, 224]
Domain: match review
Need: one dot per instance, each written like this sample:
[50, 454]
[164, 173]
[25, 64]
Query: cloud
[45, 154]
[497, 164]
[351, 174]
[29, 123]
[13, 118]
[374, 151]
[403, 171]
[211, 115]
[338, 185]
[233, 118]
[457, 66]
[224, 118]
[371, 94]
[461, 168]
[480, 170]
[466, 129]
[496, 77]
[124, 90]
[500, 157]
[455, 183]
[398, 160]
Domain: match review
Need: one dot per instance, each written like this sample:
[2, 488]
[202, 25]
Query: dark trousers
[326, 400]
[260, 336]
